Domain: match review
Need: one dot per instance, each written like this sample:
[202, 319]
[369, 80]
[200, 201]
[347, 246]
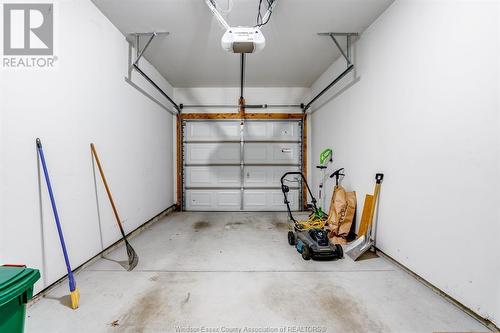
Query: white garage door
[237, 166]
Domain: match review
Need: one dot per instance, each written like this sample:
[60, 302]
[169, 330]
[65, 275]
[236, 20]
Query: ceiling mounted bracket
[140, 53]
[213, 7]
[348, 35]
[347, 54]
[137, 36]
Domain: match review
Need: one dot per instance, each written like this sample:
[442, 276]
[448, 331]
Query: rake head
[133, 258]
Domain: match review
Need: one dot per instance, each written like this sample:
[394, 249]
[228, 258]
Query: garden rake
[133, 259]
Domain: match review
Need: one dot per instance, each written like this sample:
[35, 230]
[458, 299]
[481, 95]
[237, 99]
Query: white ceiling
[191, 56]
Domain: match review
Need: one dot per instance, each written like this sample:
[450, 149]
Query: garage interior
[147, 162]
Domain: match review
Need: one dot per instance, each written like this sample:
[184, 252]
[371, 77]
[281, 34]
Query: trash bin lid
[14, 281]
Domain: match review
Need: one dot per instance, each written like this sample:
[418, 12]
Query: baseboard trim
[107, 250]
[486, 322]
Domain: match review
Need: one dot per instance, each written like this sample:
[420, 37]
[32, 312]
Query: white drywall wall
[423, 108]
[84, 99]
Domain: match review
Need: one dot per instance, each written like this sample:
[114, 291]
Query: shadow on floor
[64, 300]
[123, 263]
[368, 255]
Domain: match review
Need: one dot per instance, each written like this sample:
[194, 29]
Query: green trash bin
[16, 289]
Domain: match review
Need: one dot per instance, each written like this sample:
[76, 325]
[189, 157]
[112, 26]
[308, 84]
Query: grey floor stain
[156, 307]
[145, 311]
[281, 226]
[201, 225]
[331, 306]
[350, 314]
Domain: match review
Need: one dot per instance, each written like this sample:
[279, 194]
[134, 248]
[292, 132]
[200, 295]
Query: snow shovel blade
[358, 247]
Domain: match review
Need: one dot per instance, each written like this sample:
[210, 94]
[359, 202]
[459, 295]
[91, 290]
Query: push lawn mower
[308, 237]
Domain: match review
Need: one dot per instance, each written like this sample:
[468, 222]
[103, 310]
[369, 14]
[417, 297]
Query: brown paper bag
[341, 215]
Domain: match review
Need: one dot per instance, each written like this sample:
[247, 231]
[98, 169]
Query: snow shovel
[74, 293]
[366, 241]
[133, 259]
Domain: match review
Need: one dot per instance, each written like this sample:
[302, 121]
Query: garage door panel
[255, 152]
[198, 131]
[228, 200]
[269, 200]
[272, 131]
[268, 176]
[229, 177]
[213, 200]
[256, 131]
[216, 176]
[285, 153]
[198, 200]
[212, 153]
[256, 200]
[212, 131]
[198, 176]
[286, 131]
[255, 176]
[272, 153]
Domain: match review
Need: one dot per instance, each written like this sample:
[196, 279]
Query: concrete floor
[236, 270]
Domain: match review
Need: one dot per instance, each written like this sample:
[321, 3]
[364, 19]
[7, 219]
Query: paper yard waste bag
[341, 215]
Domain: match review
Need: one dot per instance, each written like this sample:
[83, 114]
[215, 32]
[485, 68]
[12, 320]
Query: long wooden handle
[101, 171]
[374, 205]
[375, 198]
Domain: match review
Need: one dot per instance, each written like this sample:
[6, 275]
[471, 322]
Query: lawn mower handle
[286, 189]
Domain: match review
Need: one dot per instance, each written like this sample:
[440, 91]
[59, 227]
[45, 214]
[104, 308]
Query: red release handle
[14, 265]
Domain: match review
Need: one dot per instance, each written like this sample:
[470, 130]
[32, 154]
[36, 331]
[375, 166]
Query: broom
[74, 294]
[133, 259]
